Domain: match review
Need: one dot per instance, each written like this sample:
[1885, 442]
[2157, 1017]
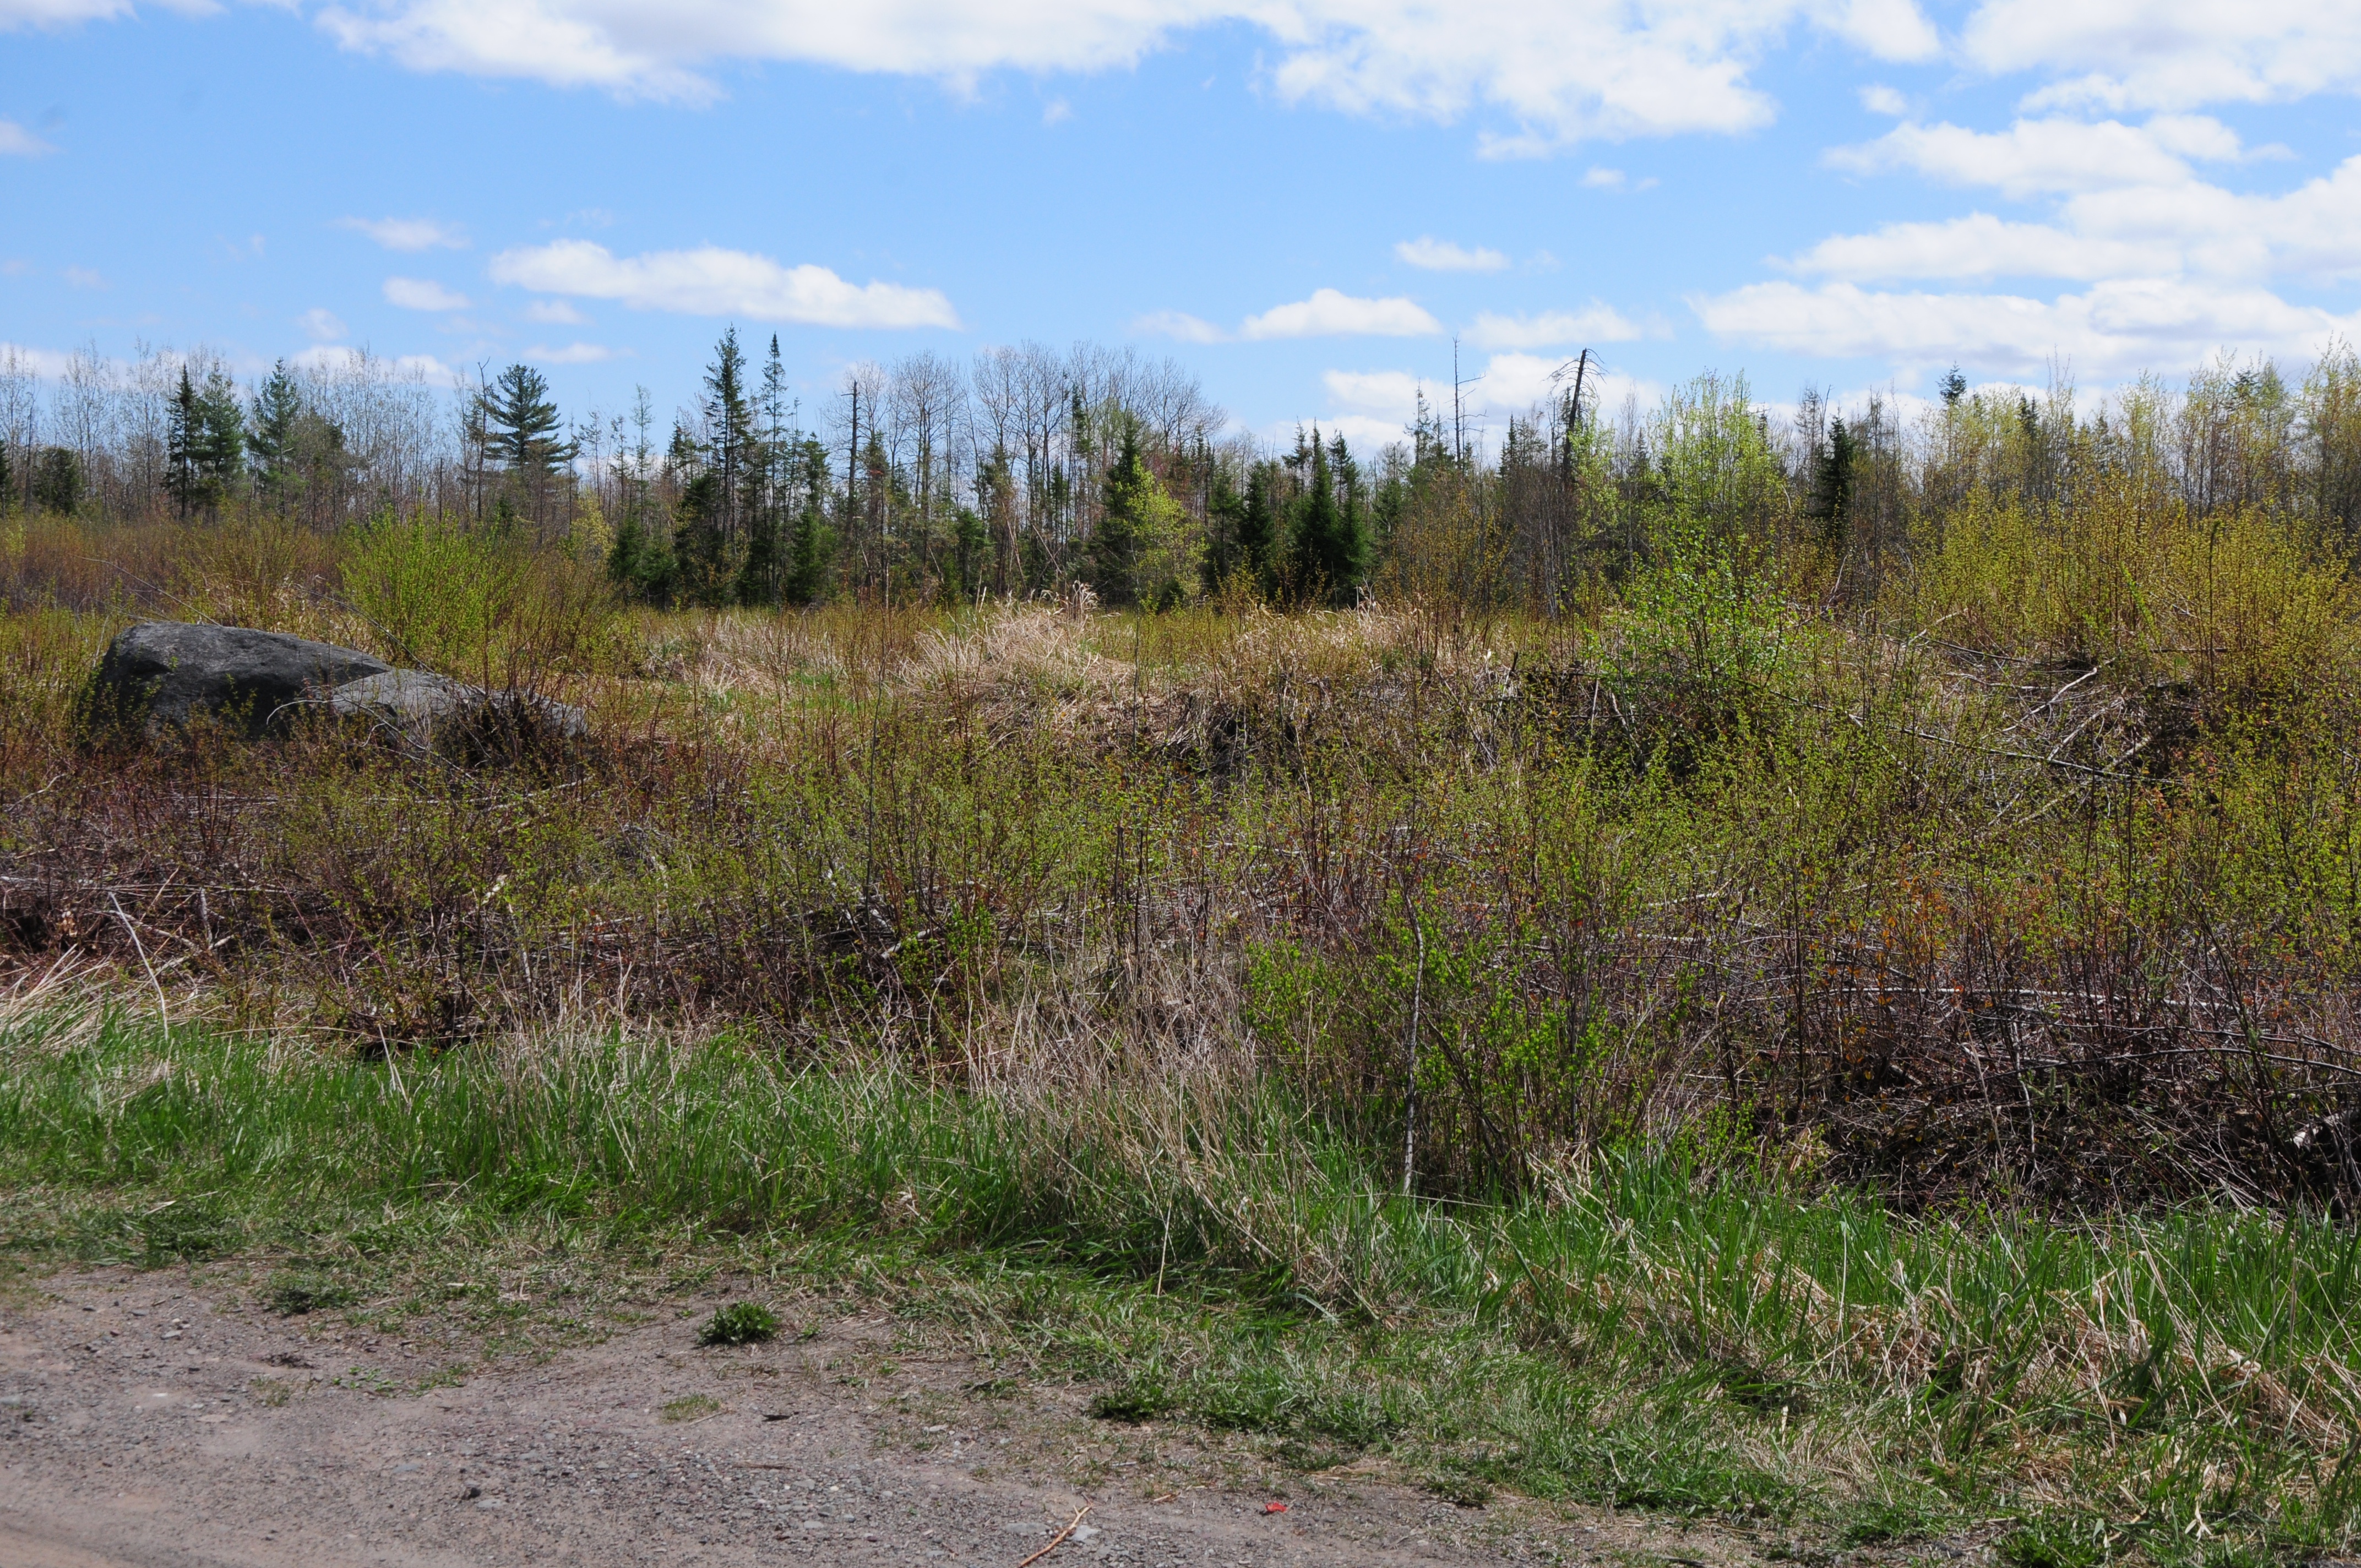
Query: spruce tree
[812, 543]
[697, 547]
[1257, 525]
[220, 437]
[729, 429]
[274, 438]
[1120, 537]
[181, 422]
[1831, 502]
[1325, 544]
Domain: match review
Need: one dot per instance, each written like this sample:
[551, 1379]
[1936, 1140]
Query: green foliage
[473, 602]
[740, 1323]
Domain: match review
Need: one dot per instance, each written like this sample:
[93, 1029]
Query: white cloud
[1560, 70]
[1393, 392]
[321, 324]
[1179, 325]
[2169, 54]
[2181, 226]
[83, 277]
[2048, 157]
[1056, 111]
[422, 294]
[408, 234]
[1598, 323]
[1981, 247]
[1378, 405]
[17, 14]
[1603, 179]
[16, 141]
[712, 281]
[1444, 255]
[48, 363]
[1885, 101]
[554, 312]
[1330, 312]
[572, 353]
[2116, 328]
[339, 357]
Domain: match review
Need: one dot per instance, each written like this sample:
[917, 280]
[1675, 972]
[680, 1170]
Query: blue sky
[1304, 200]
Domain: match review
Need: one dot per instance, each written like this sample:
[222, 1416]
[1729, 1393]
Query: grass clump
[741, 1323]
[688, 1408]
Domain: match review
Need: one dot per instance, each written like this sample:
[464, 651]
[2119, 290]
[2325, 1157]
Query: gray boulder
[165, 673]
[416, 708]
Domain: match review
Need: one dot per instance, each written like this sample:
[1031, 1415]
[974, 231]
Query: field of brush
[1840, 1068]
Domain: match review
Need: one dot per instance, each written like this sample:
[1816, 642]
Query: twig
[1059, 1540]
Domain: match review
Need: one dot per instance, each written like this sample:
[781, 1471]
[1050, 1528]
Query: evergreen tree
[521, 425]
[1124, 521]
[729, 429]
[1325, 542]
[1257, 525]
[220, 437]
[1953, 387]
[698, 549]
[58, 480]
[811, 544]
[276, 438]
[970, 548]
[7, 479]
[1831, 503]
[181, 428]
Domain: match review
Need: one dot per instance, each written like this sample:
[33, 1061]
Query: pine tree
[1953, 387]
[521, 425]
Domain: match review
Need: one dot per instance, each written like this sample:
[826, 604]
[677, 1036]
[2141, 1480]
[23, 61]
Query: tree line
[1030, 470]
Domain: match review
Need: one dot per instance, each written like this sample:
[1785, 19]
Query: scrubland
[1821, 1048]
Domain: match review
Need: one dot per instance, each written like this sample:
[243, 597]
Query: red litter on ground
[1274, 1508]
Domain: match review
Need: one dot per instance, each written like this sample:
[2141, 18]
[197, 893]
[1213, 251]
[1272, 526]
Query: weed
[741, 1323]
[688, 1408]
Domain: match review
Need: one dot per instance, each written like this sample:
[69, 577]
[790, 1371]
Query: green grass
[2174, 1385]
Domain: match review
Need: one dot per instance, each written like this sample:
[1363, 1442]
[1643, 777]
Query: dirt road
[151, 1421]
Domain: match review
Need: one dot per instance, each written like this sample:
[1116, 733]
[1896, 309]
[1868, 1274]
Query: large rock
[416, 708]
[166, 672]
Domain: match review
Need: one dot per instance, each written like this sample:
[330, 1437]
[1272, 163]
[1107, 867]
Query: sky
[1314, 205]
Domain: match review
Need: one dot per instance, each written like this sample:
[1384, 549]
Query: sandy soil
[148, 1418]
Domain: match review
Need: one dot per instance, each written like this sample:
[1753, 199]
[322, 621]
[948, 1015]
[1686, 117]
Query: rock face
[422, 710]
[163, 673]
